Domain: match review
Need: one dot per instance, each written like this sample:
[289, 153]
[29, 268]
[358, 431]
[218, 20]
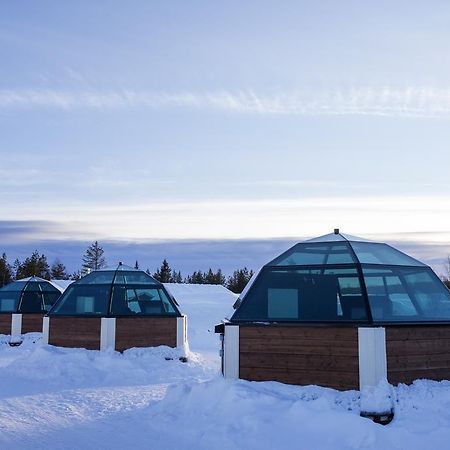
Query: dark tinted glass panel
[128, 300]
[9, 301]
[133, 278]
[50, 299]
[47, 287]
[84, 300]
[405, 294]
[306, 254]
[32, 302]
[284, 295]
[374, 253]
[98, 277]
[15, 286]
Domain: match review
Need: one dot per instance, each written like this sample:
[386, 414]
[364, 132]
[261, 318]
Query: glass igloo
[28, 295]
[117, 291]
[339, 278]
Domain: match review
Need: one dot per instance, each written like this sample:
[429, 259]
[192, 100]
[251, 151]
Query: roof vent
[336, 231]
[120, 263]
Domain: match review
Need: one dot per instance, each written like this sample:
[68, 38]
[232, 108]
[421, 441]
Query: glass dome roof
[116, 291]
[342, 278]
[28, 295]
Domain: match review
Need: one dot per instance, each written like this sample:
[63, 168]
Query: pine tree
[176, 277]
[76, 275]
[93, 258]
[35, 265]
[214, 277]
[164, 273]
[197, 277]
[237, 282]
[58, 271]
[6, 272]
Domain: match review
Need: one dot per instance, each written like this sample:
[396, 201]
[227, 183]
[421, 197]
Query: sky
[154, 126]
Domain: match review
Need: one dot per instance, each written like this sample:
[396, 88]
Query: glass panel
[83, 300]
[98, 277]
[306, 254]
[14, 286]
[50, 299]
[9, 301]
[141, 301]
[32, 302]
[405, 294]
[287, 295]
[282, 303]
[374, 253]
[47, 287]
[137, 277]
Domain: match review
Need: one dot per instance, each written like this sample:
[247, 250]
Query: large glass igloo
[118, 308]
[341, 278]
[342, 312]
[23, 303]
[28, 295]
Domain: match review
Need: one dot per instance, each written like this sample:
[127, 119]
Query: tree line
[94, 259]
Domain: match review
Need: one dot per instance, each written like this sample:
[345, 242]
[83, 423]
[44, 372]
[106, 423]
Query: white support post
[375, 391]
[108, 333]
[45, 329]
[231, 351]
[372, 356]
[16, 329]
[181, 331]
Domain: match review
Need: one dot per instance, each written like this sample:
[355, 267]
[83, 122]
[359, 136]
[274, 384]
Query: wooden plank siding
[5, 323]
[77, 332]
[415, 352]
[32, 323]
[327, 356]
[145, 332]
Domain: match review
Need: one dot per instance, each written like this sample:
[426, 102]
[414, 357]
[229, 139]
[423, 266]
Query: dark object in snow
[380, 418]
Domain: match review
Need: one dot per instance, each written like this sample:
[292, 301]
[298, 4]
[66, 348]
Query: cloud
[425, 102]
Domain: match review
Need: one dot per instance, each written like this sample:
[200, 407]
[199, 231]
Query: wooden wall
[32, 323]
[5, 323]
[145, 332]
[326, 356]
[417, 352]
[75, 332]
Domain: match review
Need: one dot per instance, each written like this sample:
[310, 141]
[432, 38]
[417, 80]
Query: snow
[61, 285]
[60, 398]
[206, 305]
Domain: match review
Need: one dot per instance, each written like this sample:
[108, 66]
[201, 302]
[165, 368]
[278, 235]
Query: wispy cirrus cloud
[377, 101]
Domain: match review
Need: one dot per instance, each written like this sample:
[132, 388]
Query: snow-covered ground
[55, 398]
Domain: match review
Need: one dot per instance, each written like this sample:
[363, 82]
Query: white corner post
[231, 351]
[376, 401]
[45, 329]
[108, 333]
[181, 331]
[372, 356]
[16, 328]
